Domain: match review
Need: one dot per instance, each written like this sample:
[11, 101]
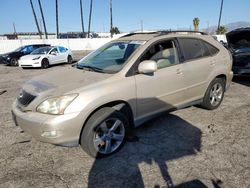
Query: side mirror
[147, 67]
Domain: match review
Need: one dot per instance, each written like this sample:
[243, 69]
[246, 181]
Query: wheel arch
[223, 76]
[119, 105]
[45, 58]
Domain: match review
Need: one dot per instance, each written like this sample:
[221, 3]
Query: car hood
[9, 54]
[239, 39]
[62, 81]
[30, 56]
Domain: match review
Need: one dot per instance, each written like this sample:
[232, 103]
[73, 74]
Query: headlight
[56, 105]
[36, 58]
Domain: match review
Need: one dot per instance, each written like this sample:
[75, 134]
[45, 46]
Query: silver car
[121, 85]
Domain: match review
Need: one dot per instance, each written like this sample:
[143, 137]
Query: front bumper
[55, 129]
[4, 61]
[29, 63]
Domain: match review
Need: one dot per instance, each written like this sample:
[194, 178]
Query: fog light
[49, 134]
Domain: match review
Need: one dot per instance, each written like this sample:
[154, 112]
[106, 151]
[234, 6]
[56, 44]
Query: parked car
[12, 58]
[121, 85]
[239, 45]
[46, 56]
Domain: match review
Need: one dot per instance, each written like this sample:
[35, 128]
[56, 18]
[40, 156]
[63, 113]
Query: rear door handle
[212, 63]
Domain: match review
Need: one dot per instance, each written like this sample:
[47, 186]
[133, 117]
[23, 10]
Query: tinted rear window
[211, 49]
[196, 48]
[191, 48]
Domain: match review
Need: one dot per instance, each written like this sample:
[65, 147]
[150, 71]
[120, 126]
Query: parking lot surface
[191, 147]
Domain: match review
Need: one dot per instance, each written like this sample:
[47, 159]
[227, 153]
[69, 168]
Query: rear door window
[196, 48]
[191, 48]
[211, 49]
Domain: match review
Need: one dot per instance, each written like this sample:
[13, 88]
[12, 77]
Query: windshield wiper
[90, 68]
[95, 69]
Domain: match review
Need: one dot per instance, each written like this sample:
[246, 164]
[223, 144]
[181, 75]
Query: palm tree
[115, 30]
[222, 30]
[82, 18]
[111, 18]
[221, 7]
[57, 27]
[90, 14]
[196, 23]
[34, 14]
[44, 25]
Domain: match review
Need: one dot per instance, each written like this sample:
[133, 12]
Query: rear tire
[45, 63]
[214, 94]
[69, 59]
[104, 133]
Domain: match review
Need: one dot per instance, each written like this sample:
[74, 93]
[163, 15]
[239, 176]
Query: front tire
[214, 94]
[45, 63]
[14, 62]
[104, 133]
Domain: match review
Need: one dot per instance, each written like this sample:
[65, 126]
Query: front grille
[25, 98]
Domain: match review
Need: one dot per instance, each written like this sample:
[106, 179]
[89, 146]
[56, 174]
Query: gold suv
[121, 85]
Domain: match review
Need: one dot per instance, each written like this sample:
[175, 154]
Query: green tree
[222, 30]
[196, 23]
[114, 30]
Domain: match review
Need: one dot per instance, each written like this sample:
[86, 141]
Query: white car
[46, 56]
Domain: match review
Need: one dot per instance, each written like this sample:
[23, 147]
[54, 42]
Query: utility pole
[34, 14]
[90, 14]
[111, 19]
[141, 25]
[57, 27]
[82, 18]
[221, 7]
[14, 27]
[44, 25]
[41, 26]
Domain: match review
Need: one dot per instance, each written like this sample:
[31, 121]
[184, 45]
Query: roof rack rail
[163, 32]
[139, 33]
[181, 31]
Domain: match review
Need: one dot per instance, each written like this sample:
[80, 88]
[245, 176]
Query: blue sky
[127, 14]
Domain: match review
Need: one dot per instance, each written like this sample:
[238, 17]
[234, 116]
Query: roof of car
[145, 36]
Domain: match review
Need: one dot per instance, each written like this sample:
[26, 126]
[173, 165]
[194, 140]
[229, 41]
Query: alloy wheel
[109, 135]
[216, 94]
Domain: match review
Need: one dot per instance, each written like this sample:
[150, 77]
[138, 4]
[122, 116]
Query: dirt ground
[192, 147]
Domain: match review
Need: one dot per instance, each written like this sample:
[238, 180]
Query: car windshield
[19, 49]
[110, 58]
[43, 50]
